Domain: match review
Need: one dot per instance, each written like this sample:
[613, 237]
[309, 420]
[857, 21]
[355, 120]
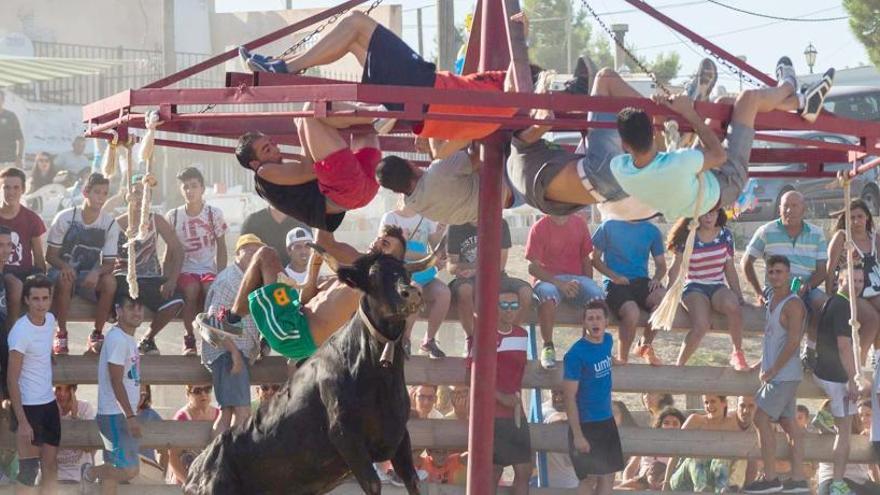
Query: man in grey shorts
[781, 373]
[559, 182]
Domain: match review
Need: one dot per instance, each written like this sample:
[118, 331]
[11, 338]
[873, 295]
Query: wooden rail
[171, 370]
[440, 433]
[567, 316]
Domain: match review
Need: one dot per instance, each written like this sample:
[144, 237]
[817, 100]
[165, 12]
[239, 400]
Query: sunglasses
[509, 306]
[200, 390]
[266, 388]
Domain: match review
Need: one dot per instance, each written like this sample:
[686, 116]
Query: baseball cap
[246, 239]
[299, 234]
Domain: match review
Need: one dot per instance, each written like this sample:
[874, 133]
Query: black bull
[341, 411]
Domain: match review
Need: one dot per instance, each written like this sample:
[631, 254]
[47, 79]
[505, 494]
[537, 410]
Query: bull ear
[353, 277]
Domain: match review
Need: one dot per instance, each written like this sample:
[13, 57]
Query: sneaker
[219, 322]
[815, 95]
[384, 125]
[395, 480]
[261, 63]
[671, 135]
[840, 487]
[738, 361]
[59, 343]
[431, 349]
[792, 486]
[147, 347]
[189, 345]
[809, 359]
[700, 87]
[785, 72]
[548, 357]
[762, 485]
[211, 338]
[85, 484]
[824, 422]
[96, 340]
[646, 352]
[581, 82]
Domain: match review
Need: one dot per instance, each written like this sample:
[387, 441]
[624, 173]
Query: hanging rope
[664, 316]
[151, 121]
[131, 272]
[844, 180]
[109, 160]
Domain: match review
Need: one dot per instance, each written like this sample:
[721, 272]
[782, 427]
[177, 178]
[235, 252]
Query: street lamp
[810, 54]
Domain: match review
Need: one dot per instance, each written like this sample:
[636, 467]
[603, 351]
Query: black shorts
[45, 420]
[637, 291]
[392, 62]
[512, 445]
[605, 455]
[21, 274]
[150, 294]
[515, 284]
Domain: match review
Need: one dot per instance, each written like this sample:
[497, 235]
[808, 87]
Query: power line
[767, 16]
[666, 6]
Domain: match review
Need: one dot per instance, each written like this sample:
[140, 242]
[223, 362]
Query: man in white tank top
[781, 373]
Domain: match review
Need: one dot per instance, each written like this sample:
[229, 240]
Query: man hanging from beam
[331, 178]
[623, 169]
[388, 60]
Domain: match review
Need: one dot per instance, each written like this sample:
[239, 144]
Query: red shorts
[348, 178]
[184, 280]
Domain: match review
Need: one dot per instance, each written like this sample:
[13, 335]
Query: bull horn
[331, 261]
[428, 261]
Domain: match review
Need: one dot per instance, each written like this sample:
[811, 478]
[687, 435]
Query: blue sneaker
[261, 63]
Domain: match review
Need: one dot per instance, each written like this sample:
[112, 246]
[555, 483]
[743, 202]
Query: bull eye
[404, 293]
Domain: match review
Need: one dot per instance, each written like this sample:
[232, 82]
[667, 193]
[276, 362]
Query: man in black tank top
[321, 187]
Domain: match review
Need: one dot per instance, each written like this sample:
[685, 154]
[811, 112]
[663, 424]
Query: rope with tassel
[664, 316]
[131, 272]
[844, 180]
[148, 145]
[109, 160]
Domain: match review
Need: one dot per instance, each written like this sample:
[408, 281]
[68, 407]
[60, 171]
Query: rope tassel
[109, 160]
[664, 316]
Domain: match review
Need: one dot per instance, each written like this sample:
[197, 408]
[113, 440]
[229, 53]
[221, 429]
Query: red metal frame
[490, 32]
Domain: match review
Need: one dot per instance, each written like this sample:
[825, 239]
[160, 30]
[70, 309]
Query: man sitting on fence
[332, 178]
[293, 322]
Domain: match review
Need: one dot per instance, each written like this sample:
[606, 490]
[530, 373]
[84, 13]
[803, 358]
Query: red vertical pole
[493, 56]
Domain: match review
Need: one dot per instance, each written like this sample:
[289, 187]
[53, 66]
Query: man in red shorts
[388, 60]
[332, 178]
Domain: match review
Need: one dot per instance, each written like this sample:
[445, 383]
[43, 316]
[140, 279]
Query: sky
[761, 40]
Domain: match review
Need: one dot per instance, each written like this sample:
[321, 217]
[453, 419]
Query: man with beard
[295, 323]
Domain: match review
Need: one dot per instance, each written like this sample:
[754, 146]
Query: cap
[299, 234]
[246, 239]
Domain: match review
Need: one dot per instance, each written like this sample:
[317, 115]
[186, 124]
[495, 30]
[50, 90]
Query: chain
[628, 53]
[296, 46]
[734, 69]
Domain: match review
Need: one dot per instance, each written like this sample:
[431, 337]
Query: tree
[665, 66]
[864, 20]
[548, 38]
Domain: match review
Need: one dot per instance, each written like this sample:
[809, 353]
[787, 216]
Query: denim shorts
[707, 290]
[595, 168]
[545, 291]
[230, 390]
[88, 294]
[120, 447]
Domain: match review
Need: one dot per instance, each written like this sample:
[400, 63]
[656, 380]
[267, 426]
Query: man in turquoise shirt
[669, 181]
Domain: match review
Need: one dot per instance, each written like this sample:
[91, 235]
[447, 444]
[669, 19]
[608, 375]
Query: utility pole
[421, 36]
[569, 18]
[169, 53]
[445, 34]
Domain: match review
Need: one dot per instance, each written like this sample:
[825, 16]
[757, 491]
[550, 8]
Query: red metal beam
[696, 38]
[263, 40]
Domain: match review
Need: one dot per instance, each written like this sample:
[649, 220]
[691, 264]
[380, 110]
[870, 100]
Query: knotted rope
[151, 121]
[844, 180]
[131, 273]
[664, 316]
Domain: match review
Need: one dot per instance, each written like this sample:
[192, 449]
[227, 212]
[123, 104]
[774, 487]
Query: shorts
[230, 390]
[530, 170]
[348, 178]
[512, 445]
[733, 173]
[514, 284]
[276, 311]
[605, 455]
[185, 280]
[45, 420]
[637, 291]
[20, 274]
[707, 290]
[595, 167]
[841, 406]
[807, 298]
[90, 295]
[120, 447]
[150, 294]
[778, 399]
[589, 290]
[390, 61]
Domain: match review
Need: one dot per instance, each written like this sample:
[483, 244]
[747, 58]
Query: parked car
[854, 102]
[822, 197]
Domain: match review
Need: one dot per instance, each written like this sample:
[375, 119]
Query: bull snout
[412, 298]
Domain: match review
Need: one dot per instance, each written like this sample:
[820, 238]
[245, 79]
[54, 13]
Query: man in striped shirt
[805, 247]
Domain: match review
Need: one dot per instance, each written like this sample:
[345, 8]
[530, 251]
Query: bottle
[796, 284]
